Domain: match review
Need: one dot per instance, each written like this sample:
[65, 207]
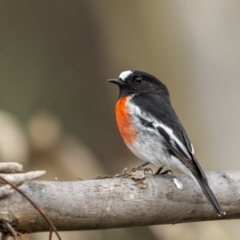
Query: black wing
[160, 108]
[166, 115]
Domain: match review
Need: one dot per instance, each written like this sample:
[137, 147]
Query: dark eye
[138, 80]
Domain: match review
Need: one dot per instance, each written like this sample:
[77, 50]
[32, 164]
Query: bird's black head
[137, 82]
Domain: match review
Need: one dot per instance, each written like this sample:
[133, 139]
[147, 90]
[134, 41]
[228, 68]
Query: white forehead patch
[125, 74]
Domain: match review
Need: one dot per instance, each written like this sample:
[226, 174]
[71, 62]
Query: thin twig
[8, 226]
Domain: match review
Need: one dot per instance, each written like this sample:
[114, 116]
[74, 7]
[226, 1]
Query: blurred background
[57, 109]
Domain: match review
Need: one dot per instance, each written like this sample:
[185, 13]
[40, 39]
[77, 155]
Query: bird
[152, 130]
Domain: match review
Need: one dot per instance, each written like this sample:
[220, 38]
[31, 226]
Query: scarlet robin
[153, 132]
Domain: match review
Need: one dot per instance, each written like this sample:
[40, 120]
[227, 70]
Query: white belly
[149, 145]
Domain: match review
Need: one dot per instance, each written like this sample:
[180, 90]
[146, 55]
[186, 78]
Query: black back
[160, 107]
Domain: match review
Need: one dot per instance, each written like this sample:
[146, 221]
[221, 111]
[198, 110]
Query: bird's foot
[158, 172]
[146, 170]
[143, 165]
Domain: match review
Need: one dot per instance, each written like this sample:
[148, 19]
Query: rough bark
[120, 202]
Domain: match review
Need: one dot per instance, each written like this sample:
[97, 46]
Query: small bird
[152, 131]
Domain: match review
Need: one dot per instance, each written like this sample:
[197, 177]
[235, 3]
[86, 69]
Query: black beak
[117, 81]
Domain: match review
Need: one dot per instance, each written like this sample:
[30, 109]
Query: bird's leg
[143, 164]
[158, 171]
[163, 173]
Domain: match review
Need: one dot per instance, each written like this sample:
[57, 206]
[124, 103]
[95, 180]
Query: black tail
[211, 197]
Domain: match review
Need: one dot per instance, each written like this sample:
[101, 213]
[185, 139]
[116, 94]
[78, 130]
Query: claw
[166, 172]
[162, 173]
[148, 170]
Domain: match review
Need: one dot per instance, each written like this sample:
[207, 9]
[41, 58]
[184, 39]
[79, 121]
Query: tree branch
[120, 202]
[10, 167]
